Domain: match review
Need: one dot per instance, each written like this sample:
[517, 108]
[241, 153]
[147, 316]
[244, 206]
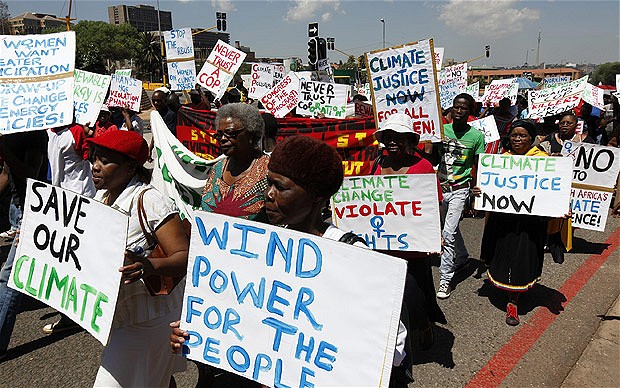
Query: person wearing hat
[400, 142]
[103, 123]
[135, 355]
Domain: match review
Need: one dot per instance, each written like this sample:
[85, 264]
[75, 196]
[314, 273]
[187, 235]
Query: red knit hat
[128, 143]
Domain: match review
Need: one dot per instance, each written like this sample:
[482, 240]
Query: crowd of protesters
[287, 183]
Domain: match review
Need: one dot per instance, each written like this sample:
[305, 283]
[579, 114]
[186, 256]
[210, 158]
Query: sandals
[512, 317]
[59, 326]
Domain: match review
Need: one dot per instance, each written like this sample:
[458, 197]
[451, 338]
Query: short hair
[310, 163]
[529, 125]
[567, 113]
[470, 100]
[250, 119]
[271, 125]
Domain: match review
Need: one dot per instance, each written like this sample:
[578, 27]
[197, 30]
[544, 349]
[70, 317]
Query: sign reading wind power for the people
[283, 308]
[403, 80]
[529, 185]
[220, 67]
[36, 81]
[89, 95]
[180, 58]
[391, 212]
[69, 252]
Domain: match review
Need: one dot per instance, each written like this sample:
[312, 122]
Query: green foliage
[149, 57]
[350, 64]
[605, 73]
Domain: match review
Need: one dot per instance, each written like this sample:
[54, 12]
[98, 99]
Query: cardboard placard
[392, 212]
[556, 99]
[179, 44]
[283, 97]
[182, 75]
[220, 68]
[593, 95]
[89, 95]
[36, 81]
[499, 89]
[556, 80]
[125, 92]
[590, 208]
[488, 127]
[474, 90]
[438, 57]
[363, 109]
[594, 165]
[404, 80]
[452, 81]
[65, 260]
[282, 307]
[262, 80]
[322, 97]
[529, 185]
[123, 72]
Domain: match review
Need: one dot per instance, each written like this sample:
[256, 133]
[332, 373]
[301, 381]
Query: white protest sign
[123, 72]
[88, 95]
[524, 184]
[283, 97]
[325, 70]
[182, 75]
[556, 99]
[499, 89]
[556, 80]
[220, 68]
[36, 81]
[386, 210]
[452, 81]
[617, 82]
[438, 57]
[322, 97]
[590, 208]
[70, 249]
[404, 81]
[593, 95]
[594, 165]
[179, 44]
[125, 92]
[474, 90]
[363, 109]
[488, 126]
[278, 73]
[261, 80]
[364, 90]
[283, 308]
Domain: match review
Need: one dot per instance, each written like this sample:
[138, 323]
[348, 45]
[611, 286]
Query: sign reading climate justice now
[220, 67]
[322, 97]
[391, 212]
[283, 308]
[180, 57]
[89, 95]
[65, 260]
[36, 81]
[125, 92]
[555, 99]
[524, 184]
[403, 80]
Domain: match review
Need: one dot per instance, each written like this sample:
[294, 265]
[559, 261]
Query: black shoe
[557, 252]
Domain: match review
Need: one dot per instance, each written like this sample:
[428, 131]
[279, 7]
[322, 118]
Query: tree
[4, 18]
[149, 56]
[350, 64]
[606, 73]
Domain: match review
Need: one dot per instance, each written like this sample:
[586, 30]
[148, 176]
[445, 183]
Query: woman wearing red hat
[136, 353]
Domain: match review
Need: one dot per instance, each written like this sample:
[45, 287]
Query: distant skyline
[572, 31]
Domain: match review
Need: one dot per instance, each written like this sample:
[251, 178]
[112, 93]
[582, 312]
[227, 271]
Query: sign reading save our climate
[524, 184]
[283, 308]
[386, 210]
[66, 260]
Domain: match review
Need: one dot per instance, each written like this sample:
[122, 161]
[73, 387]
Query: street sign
[313, 30]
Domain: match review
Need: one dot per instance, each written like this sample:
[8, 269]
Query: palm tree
[149, 56]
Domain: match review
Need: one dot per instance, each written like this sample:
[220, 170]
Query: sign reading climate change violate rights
[386, 209]
[36, 81]
[524, 184]
[284, 308]
[70, 248]
[403, 80]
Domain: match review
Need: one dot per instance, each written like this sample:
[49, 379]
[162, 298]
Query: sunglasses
[231, 135]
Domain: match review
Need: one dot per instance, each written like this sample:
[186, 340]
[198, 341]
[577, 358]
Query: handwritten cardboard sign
[283, 97]
[404, 80]
[65, 260]
[363, 109]
[593, 95]
[36, 81]
[322, 97]
[474, 90]
[499, 89]
[283, 308]
[488, 126]
[524, 184]
[182, 75]
[452, 81]
[590, 208]
[179, 44]
[438, 57]
[125, 92]
[220, 68]
[89, 95]
[594, 165]
[391, 212]
[556, 99]
[556, 80]
[262, 79]
[123, 72]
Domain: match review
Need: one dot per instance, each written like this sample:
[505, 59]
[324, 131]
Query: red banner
[352, 138]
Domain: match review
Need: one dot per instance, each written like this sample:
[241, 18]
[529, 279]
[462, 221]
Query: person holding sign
[513, 244]
[103, 123]
[135, 355]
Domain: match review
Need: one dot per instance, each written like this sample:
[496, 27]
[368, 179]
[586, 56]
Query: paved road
[475, 333]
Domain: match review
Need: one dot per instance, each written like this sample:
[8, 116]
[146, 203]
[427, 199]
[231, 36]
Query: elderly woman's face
[520, 140]
[567, 125]
[286, 202]
[234, 139]
[396, 142]
[111, 170]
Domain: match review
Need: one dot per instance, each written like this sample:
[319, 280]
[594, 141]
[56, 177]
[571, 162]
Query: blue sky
[572, 31]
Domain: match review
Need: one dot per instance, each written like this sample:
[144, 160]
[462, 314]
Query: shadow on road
[440, 352]
[39, 343]
[30, 304]
[586, 247]
[538, 296]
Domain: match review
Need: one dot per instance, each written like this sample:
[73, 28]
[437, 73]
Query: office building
[142, 17]
[33, 23]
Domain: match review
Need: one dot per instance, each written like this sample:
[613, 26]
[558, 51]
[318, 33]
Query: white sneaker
[444, 291]
[7, 237]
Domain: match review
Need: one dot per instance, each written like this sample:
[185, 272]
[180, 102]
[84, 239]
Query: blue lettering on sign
[230, 356]
[245, 229]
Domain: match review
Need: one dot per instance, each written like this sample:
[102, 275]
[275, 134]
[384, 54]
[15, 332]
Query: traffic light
[312, 51]
[487, 48]
[322, 48]
[221, 21]
[331, 43]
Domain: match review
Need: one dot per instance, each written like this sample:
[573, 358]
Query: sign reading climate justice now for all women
[524, 184]
[403, 80]
[286, 309]
[391, 212]
[65, 260]
[220, 67]
[36, 81]
[89, 95]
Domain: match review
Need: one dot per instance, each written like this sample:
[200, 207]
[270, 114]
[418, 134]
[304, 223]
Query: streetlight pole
[527, 55]
[383, 23]
[163, 54]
